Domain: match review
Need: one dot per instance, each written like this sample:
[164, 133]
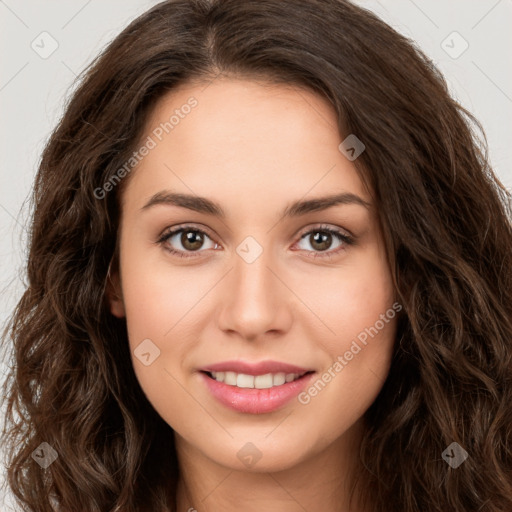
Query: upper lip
[260, 368]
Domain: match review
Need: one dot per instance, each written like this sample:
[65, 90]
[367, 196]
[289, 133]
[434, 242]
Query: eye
[322, 238]
[190, 238]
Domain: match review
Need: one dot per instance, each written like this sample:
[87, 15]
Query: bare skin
[254, 149]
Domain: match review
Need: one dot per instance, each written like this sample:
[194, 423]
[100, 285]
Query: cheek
[357, 360]
[159, 306]
[156, 294]
[356, 307]
[156, 302]
[349, 299]
[167, 305]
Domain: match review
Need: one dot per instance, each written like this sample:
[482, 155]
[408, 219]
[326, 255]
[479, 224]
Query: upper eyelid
[185, 227]
[325, 226]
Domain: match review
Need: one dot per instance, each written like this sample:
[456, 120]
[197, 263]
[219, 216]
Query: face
[245, 276]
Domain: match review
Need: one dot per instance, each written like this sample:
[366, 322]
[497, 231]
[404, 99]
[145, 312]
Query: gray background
[33, 88]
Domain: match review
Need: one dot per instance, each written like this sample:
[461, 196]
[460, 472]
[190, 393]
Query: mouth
[264, 381]
[255, 394]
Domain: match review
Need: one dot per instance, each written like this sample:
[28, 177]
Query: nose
[254, 300]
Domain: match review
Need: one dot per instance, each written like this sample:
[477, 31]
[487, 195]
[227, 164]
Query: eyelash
[346, 239]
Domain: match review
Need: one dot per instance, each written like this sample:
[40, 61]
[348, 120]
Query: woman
[270, 268]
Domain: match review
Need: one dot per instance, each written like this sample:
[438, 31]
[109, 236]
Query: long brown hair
[447, 225]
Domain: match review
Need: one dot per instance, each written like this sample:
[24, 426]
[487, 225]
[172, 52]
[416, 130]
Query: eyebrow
[296, 209]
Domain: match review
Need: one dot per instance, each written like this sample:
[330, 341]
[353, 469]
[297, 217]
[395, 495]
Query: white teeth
[279, 379]
[242, 380]
[263, 381]
[230, 378]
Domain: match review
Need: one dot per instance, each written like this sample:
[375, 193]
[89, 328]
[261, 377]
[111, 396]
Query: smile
[254, 394]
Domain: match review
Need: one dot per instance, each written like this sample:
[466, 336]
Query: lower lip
[252, 400]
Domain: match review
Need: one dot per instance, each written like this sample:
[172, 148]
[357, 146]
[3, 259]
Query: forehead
[243, 138]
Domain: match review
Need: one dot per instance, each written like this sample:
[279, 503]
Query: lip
[252, 400]
[260, 368]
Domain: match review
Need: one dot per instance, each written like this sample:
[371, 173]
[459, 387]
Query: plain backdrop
[467, 39]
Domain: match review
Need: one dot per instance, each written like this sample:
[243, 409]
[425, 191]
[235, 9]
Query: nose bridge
[252, 280]
[255, 301]
[253, 286]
